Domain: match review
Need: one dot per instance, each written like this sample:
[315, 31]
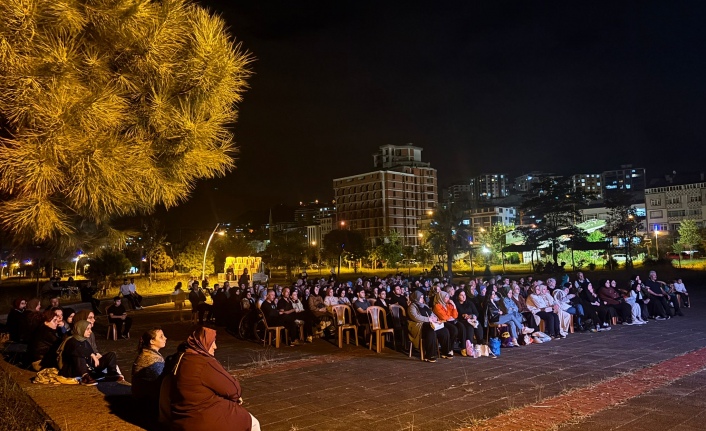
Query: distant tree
[287, 249]
[689, 234]
[555, 205]
[391, 250]
[623, 222]
[448, 233]
[110, 108]
[532, 237]
[110, 264]
[161, 261]
[494, 239]
[191, 259]
[340, 242]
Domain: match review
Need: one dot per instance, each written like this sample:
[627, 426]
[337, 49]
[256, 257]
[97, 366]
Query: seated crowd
[451, 318]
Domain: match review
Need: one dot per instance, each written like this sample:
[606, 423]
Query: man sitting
[118, 315]
[129, 291]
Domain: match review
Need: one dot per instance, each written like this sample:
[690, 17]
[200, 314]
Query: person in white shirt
[681, 292]
[129, 291]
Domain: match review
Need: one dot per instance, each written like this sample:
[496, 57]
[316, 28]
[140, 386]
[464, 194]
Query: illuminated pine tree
[109, 108]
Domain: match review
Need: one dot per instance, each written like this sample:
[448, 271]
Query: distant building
[674, 199]
[489, 186]
[486, 216]
[312, 212]
[590, 183]
[459, 193]
[625, 178]
[396, 195]
[525, 182]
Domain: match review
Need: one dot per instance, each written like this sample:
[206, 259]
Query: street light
[318, 255]
[657, 241]
[343, 224]
[203, 266]
[76, 259]
[473, 269]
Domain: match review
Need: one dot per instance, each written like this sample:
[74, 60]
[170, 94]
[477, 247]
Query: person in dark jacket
[203, 396]
[79, 359]
[14, 320]
[468, 315]
[611, 298]
[44, 342]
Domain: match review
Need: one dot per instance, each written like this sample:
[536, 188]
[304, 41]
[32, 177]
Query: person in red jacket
[203, 396]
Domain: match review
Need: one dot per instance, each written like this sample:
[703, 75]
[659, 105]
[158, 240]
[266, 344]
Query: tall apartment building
[489, 186]
[625, 178]
[397, 195]
[591, 184]
[525, 182]
[311, 213]
[677, 198]
[457, 193]
[487, 216]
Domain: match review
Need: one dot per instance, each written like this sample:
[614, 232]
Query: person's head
[653, 275]
[679, 281]
[461, 296]
[34, 304]
[516, 289]
[543, 288]
[117, 301]
[509, 292]
[286, 292]
[270, 296]
[59, 314]
[69, 315]
[82, 330]
[329, 291]
[54, 302]
[360, 293]
[551, 283]
[589, 286]
[382, 294]
[50, 319]
[132, 280]
[294, 295]
[153, 339]
[124, 280]
[202, 341]
[178, 285]
[605, 283]
[417, 297]
[580, 276]
[19, 304]
[316, 289]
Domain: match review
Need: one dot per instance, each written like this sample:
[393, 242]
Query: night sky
[492, 86]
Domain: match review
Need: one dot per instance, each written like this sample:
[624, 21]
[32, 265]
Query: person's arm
[416, 316]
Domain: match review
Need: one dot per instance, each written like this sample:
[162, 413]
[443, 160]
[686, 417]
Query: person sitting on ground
[14, 320]
[681, 292]
[32, 319]
[90, 317]
[148, 367]
[44, 343]
[197, 297]
[421, 326]
[118, 315]
[468, 316]
[79, 359]
[202, 395]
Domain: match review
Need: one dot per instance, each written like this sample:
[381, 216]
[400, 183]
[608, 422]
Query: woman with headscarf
[79, 359]
[447, 313]
[14, 320]
[419, 324]
[468, 316]
[203, 396]
[148, 367]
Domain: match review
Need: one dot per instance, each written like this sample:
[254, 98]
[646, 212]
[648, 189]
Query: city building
[310, 213]
[525, 182]
[486, 216]
[488, 186]
[459, 193]
[591, 184]
[673, 199]
[625, 178]
[396, 195]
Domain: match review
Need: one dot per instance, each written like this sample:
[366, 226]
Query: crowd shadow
[124, 406]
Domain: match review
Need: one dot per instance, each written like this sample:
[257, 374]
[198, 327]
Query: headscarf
[201, 340]
[80, 330]
[440, 298]
[32, 304]
[81, 315]
[417, 296]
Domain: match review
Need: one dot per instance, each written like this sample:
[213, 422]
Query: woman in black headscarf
[79, 359]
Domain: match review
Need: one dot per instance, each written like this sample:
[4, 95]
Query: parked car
[619, 257]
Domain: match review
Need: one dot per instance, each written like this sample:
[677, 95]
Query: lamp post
[470, 248]
[318, 255]
[203, 266]
[657, 242]
[76, 259]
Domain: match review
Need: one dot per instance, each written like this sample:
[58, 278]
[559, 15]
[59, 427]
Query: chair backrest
[397, 311]
[371, 301]
[376, 322]
[342, 313]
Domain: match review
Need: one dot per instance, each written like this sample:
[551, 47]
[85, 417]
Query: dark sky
[493, 86]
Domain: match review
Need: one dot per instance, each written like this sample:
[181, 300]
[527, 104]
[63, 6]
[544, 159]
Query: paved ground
[585, 382]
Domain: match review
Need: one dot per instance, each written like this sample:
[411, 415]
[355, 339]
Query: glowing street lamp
[657, 241]
[205, 252]
[76, 259]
